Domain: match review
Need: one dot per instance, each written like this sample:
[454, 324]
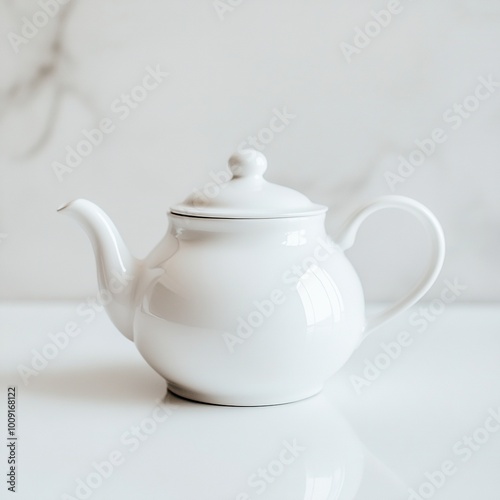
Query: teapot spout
[117, 269]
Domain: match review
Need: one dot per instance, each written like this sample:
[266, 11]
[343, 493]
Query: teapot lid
[246, 194]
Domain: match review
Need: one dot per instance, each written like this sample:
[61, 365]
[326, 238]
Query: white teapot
[246, 301]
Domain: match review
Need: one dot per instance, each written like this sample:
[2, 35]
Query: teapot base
[242, 400]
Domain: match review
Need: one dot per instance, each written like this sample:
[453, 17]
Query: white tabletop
[98, 414]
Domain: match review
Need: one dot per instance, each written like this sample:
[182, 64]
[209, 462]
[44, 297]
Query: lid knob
[248, 163]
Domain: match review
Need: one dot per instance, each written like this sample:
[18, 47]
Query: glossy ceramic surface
[97, 398]
[249, 302]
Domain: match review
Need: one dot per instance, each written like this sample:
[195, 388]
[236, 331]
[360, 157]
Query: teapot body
[248, 311]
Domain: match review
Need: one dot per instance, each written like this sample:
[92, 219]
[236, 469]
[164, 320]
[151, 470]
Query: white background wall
[226, 76]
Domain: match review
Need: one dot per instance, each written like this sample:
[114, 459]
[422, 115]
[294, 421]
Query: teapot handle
[347, 236]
